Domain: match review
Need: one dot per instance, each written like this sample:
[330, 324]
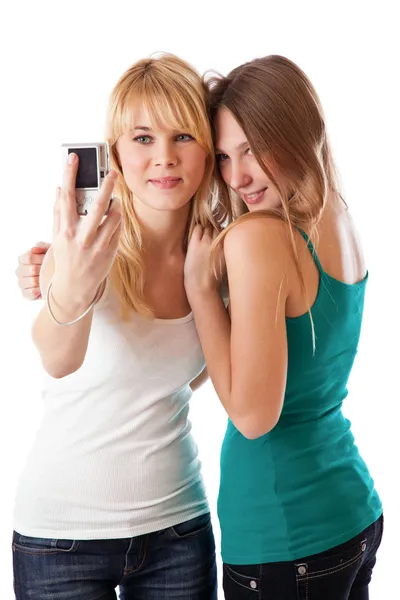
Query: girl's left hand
[199, 277]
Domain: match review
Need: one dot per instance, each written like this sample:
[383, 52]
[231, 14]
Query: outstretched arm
[81, 257]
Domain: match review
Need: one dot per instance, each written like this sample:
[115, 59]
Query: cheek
[132, 163]
[257, 172]
[197, 164]
[274, 197]
[132, 172]
[133, 169]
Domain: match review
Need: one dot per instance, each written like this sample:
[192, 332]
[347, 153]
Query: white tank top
[114, 456]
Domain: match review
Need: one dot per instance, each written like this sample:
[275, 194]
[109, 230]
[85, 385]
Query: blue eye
[142, 139]
[222, 157]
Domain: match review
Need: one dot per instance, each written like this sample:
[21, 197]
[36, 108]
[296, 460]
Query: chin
[170, 203]
[256, 207]
[162, 202]
[264, 206]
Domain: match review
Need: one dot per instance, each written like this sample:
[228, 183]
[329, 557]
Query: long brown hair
[174, 96]
[280, 113]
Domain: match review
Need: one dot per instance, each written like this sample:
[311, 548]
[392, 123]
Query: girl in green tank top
[300, 517]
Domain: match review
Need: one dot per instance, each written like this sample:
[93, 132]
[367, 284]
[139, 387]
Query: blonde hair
[281, 115]
[174, 96]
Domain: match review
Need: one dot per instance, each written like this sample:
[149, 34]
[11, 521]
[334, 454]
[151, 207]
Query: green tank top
[302, 488]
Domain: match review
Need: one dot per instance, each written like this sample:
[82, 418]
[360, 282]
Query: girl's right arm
[62, 349]
[78, 263]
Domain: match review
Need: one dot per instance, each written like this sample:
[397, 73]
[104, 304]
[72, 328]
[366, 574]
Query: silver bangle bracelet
[78, 318]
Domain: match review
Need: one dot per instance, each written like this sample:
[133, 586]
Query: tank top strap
[312, 250]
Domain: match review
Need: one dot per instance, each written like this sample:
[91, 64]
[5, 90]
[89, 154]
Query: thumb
[40, 248]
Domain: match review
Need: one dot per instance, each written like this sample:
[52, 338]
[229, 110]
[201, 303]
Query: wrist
[200, 296]
[68, 303]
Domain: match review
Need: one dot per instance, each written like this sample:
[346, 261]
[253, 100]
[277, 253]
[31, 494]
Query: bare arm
[62, 349]
[246, 355]
[78, 263]
[200, 380]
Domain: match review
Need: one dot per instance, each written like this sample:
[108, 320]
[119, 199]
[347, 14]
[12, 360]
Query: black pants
[341, 573]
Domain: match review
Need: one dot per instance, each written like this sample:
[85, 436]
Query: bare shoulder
[263, 235]
[339, 246]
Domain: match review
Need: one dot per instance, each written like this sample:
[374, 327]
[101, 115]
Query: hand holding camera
[84, 248]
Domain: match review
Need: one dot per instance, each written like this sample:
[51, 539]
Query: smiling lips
[168, 183]
[165, 183]
[255, 197]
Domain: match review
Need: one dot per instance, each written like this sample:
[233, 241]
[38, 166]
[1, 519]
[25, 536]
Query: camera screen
[87, 170]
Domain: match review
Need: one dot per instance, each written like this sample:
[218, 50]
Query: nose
[166, 155]
[238, 176]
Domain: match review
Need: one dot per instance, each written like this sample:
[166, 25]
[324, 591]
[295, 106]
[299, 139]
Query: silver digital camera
[94, 164]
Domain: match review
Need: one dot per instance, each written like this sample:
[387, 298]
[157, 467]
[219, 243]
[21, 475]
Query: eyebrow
[141, 128]
[239, 147]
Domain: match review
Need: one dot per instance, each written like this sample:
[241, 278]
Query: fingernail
[112, 175]
[71, 158]
[40, 245]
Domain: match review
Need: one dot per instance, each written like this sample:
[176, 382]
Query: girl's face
[163, 169]
[238, 166]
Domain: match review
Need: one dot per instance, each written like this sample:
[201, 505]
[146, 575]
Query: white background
[59, 62]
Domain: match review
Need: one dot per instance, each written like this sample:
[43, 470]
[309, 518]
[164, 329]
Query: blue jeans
[177, 562]
[341, 573]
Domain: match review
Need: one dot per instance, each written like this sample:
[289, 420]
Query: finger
[32, 270]
[43, 245]
[68, 213]
[57, 213]
[208, 233]
[25, 258]
[110, 226]
[30, 258]
[32, 294]
[114, 241]
[92, 222]
[28, 271]
[70, 171]
[197, 232]
[28, 283]
[40, 248]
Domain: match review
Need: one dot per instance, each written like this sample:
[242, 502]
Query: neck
[163, 230]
